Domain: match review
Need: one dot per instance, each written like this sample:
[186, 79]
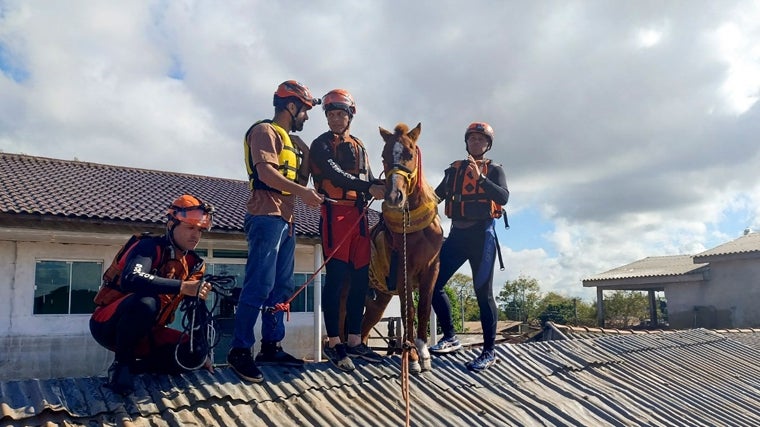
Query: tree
[624, 309]
[464, 305]
[518, 298]
[565, 310]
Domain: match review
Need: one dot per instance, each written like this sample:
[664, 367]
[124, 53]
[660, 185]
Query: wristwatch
[481, 178]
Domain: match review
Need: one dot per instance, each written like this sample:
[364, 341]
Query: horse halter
[410, 176]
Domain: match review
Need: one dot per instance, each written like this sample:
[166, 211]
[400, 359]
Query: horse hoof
[414, 367]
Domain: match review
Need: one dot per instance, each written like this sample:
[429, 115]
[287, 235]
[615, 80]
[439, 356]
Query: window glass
[66, 287]
[226, 306]
[304, 301]
[85, 281]
[230, 253]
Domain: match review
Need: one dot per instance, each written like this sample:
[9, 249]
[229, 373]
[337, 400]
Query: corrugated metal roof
[693, 378]
[748, 244]
[656, 266]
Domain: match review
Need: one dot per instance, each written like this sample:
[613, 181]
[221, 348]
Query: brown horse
[407, 240]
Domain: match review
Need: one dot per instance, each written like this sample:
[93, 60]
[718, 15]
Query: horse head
[401, 161]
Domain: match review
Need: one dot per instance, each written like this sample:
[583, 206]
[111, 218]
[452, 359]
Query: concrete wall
[736, 292]
[48, 346]
[728, 299]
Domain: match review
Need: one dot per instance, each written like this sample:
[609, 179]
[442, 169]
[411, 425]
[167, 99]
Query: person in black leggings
[475, 189]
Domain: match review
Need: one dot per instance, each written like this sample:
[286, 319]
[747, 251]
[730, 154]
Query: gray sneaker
[338, 357]
[446, 345]
[363, 351]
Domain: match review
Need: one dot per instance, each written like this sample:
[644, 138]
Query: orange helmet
[339, 99]
[191, 210]
[481, 128]
[294, 89]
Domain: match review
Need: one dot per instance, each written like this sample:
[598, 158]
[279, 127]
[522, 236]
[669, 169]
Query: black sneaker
[338, 357]
[273, 354]
[120, 378]
[242, 363]
[363, 351]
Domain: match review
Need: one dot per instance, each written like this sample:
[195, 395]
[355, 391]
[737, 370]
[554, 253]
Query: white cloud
[630, 127]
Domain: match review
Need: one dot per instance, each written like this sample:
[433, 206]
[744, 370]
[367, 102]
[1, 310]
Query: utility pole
[461, 304]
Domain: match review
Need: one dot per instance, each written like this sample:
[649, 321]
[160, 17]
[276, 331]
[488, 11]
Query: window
[303, 303]
[66, 287]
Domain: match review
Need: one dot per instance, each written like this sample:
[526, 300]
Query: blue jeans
[477, 245]
[268, 279]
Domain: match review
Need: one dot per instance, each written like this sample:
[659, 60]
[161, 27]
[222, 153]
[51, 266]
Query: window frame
[69, 286]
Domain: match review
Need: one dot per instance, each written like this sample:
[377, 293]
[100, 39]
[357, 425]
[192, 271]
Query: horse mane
[401, 129]
[427, 193]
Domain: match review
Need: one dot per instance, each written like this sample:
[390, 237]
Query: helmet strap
[170, 234]
[293, 116]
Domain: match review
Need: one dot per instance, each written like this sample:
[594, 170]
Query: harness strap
[498, 250]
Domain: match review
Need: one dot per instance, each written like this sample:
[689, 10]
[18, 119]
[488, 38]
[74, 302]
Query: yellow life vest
[289, 160]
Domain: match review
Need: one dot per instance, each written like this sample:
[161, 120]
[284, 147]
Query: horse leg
[373, 312]
[427, 282]
[423, 322]
[407, 316]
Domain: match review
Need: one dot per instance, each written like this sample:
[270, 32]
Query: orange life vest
[465, 197]
[189, 266]
[350, 155]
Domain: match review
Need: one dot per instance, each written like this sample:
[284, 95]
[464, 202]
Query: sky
[625, 128]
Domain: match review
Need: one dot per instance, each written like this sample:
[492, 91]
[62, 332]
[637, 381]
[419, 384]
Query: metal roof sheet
[693, 378]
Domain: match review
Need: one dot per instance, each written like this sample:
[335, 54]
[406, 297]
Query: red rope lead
[285, 306]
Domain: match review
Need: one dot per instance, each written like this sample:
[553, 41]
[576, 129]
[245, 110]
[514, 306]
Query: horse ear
[385, 134]
[415, 133]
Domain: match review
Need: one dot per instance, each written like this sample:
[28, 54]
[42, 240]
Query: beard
[298, 125]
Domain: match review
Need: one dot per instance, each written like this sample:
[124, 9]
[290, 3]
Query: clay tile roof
[82, 190]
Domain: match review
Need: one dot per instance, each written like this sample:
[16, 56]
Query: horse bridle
[409, 175]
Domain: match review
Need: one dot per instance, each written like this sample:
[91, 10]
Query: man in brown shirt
[277, 165]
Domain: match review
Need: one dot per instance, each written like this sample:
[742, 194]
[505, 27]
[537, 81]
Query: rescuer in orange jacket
[341, 171]
[142, 289]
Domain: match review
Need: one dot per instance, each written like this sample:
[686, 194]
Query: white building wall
[49, 346]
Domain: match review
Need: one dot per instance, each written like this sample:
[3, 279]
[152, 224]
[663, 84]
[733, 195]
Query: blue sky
[627, 129]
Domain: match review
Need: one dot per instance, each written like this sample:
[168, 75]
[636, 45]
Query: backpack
[110, 289]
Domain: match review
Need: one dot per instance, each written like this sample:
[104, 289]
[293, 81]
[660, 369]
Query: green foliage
[461, 293]
[565, 310]
[624, 309]
[521, 299]
[518, 299]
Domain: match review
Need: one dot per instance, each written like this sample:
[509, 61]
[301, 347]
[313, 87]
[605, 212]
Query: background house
[61, 223]
[718, 288]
